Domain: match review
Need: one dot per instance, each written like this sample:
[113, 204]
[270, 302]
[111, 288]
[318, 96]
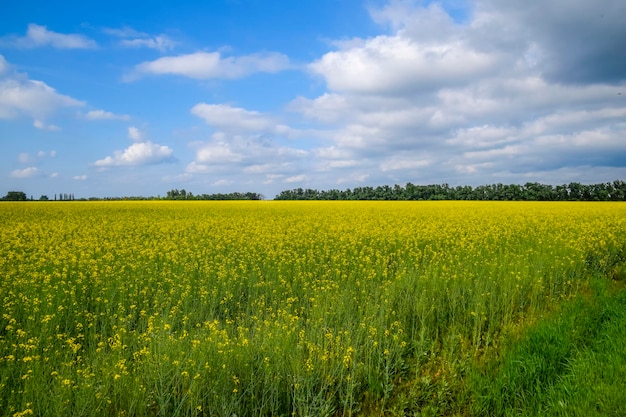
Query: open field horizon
[273, 308]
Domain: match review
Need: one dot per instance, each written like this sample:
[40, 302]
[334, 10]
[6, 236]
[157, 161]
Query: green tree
[15, 196]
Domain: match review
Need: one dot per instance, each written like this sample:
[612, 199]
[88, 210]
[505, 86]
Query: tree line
[176, 194]
[21, 196]
[531, 191]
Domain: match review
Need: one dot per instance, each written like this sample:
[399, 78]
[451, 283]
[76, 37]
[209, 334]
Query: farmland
[287, 308]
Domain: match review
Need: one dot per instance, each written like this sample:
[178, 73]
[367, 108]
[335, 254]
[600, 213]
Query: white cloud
[4, 65]
[160, 42]
[26, 158]
[205, 65]
[32, 97]
[44, 154]
[37, 36]
[41, 125]
[105, 115]
[503, 91]
[136, 39]
[463, 101]
[29, 172]
[354, 177]
[223, 182]
[246, 158]
[197, 168]
[403, 163]
[401, 65]
[296, 179]
[217, 153]
[135, 134]
[20, 95]
[80, 177]
[223, 116]
[328, 108]
[124, 32]
[141, 153]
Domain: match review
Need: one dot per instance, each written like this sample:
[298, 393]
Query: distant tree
[575, 191]
[618, 190]
[43, 198]
[15, 196]
[173, 194]
[176, 194]
[532, 191]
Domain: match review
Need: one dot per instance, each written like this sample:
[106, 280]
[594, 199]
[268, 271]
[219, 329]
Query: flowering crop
[273, 308]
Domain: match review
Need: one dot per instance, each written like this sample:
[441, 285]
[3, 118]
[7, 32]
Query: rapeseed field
[278, 308]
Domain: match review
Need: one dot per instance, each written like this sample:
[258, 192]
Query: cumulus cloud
[296, 179]
[225, 117]
[32, 97]
[495, 94]
[135, 134]
[393, 64]
[247, 159]
[21, 96]
[105, 115]
[38, 36]
[206, 65]
[29, 172]
[247, 147]
[141, 153]
[577, 42]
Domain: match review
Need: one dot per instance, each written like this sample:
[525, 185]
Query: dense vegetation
[176, 194]
[615, 191]
[173, 194]
[312, 308]
[574, 191]
[15, 196]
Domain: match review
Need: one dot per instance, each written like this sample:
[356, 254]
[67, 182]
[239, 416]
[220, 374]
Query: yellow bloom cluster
[270, 307]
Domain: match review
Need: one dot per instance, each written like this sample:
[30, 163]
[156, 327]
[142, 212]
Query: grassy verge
[570, 364]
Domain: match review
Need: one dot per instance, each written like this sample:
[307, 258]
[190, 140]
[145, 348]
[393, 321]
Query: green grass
[570, 364]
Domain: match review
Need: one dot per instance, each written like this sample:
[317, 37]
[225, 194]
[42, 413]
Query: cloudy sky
[137, 98]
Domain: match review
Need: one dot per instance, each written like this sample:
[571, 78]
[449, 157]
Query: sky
[135, 98]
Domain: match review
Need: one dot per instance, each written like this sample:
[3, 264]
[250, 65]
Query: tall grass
[571, 364]
[277, 308]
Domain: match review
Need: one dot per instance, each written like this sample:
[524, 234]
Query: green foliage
[176, 194]
[15, 196]
[615, 191]
[572, 364]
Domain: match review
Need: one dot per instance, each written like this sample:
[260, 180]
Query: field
[310, 308]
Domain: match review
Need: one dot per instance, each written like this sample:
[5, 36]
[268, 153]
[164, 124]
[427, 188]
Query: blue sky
[137, 98]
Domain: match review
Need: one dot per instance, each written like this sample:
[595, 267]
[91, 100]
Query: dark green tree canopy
[15, 196]
[531, 191]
